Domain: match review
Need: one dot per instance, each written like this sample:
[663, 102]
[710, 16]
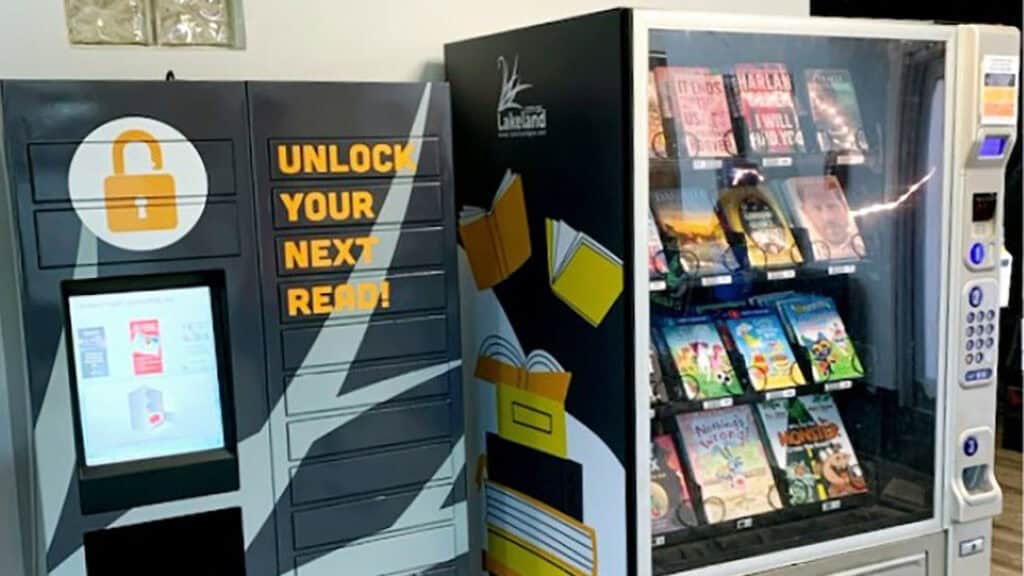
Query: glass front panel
[795, 243]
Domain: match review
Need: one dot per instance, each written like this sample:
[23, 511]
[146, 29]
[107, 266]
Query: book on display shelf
[729, 463]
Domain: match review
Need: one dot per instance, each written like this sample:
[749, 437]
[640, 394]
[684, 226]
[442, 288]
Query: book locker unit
[920, 190]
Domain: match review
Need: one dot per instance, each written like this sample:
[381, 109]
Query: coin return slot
[976, 479]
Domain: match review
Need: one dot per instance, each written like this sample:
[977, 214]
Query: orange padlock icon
[139, 202]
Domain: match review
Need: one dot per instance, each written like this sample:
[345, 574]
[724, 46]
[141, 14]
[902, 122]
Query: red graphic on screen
[147, 354]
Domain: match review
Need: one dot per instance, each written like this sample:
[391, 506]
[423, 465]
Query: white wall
[308, 39]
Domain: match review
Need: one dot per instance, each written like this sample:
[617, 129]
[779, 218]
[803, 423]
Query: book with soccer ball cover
[809, 442]
[764, 95]
[671, 506]
[761, 340]
[728, 461]
[698, 357]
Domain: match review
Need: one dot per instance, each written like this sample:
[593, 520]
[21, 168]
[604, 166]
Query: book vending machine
[732, 307]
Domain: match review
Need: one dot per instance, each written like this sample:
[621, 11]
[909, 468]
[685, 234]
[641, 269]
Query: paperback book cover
[729, 463]
[688, 216]
[497, 243]
[759, 337]
[657, 263]
[809, 441]
[835, 111]
[671, 507]
[818, 204]
[765, 97]
[657, 147]
[699, 358]
[753, 212]
[815, 323]
[582, 273]
[700, 109]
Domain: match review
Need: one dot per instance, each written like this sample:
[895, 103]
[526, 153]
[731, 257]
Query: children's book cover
[835, 111]
[760, 339]
[753, 212]
[688, 215]
[729, 463]
[816, 325]
[701, 112]
[699, 358]
[818, 204]
[765, 97]
[809, 440]
[671, 506]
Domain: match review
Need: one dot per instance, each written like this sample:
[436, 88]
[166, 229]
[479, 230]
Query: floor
[1007, 540]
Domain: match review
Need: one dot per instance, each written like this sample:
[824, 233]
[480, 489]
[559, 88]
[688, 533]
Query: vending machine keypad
[979, 339]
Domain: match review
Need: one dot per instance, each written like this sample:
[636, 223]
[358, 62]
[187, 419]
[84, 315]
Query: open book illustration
[583, 273]
[497, 243]
[531, 393]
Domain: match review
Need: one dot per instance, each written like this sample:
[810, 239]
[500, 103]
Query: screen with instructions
[146, 369]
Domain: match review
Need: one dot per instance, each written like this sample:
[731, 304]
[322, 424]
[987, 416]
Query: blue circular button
[977, 254]
[971, 446]
[975, 296]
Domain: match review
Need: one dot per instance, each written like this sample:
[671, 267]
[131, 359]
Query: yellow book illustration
[529, 538]
[531, 394]
[497, 242]
[583, 273]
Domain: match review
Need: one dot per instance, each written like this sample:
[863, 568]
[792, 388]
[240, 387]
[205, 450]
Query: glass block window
[108, 21]
[194, 22]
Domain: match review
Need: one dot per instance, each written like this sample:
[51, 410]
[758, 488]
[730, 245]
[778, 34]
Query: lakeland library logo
[514, 119]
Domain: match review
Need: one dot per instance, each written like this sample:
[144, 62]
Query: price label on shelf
[831, 505]
[780, 394]
[849, 159]
[840, 385]
[658, 285]
[781, 274]
[706, 164]
[777, 162]
[720, 280]
[839, 269]
[717, 403]
[744, 523]
[658, 541]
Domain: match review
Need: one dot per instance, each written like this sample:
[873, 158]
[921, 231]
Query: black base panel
[692, 555]
[123, 491]
[208, 544]
[555, 481]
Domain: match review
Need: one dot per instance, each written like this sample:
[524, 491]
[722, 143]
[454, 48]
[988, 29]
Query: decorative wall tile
[194, 22]
[108, 21]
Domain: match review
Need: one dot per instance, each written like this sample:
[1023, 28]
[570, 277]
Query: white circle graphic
[149, 198]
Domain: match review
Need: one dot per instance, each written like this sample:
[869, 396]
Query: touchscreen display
[146, 369]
